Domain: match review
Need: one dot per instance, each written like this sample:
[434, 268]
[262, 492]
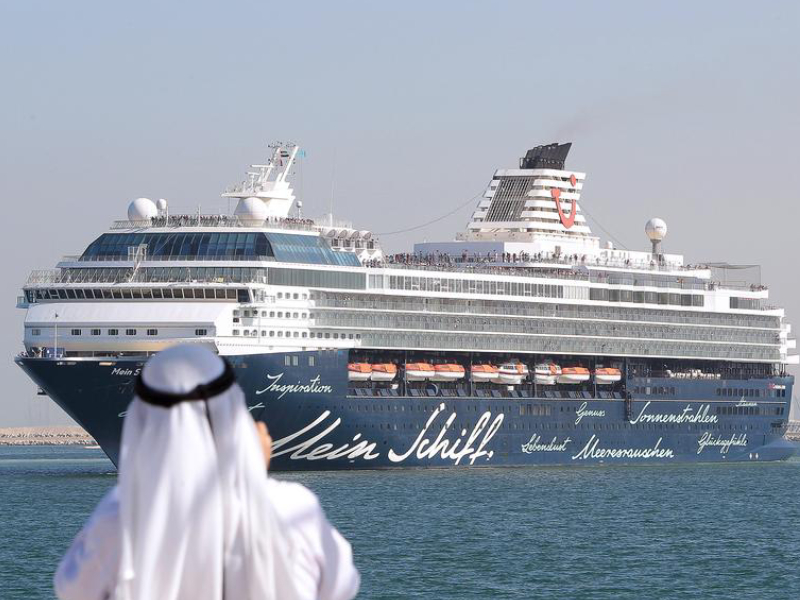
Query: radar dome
[142, 209]
[656, 229]
[161, 205]
[251, 211]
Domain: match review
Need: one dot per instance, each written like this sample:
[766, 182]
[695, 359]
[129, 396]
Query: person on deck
[194, 515]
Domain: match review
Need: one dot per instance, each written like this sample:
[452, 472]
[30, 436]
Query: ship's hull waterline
[319, 423]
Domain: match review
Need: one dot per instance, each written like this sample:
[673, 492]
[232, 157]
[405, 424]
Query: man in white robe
[194, 515]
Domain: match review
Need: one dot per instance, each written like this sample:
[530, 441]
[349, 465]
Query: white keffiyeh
[194, 516]
[192, 510]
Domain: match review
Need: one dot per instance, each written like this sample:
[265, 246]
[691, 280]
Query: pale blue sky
[683, 110]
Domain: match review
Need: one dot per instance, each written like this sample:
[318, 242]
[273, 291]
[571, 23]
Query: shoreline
[45, 436]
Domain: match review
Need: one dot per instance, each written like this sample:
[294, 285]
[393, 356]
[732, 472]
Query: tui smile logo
[566, 220]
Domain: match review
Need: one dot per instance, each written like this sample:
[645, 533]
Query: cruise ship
[523, 341]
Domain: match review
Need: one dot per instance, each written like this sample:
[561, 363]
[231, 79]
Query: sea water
[676, 531]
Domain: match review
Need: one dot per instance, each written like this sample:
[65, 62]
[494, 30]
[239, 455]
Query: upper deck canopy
[281, 247]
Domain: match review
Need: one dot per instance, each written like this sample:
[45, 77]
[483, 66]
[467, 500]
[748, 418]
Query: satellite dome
[251, 211]
[161, 205]
[142, 209]
[656, 229]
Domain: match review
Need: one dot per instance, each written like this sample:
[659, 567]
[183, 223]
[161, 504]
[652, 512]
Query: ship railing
[171, 258]
[536, 260]
[461, 268]
[421, 305]
[214, 221]
[549, 270]
[504, 324]
[44, 276]
[471, 341]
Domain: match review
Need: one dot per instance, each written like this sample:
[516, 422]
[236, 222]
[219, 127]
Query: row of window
[671, 299]
[751, 393]
[296, 334]
[534, 290]
[283, 247]
[180, 245]
[318, 279]
[124, 293]
[479, 286]
[658, 390]
[543, 309]
[536, 410]
[163, 274]
[437, 340]
[291, 296]
[294, 361]
[563, 327]
[750, 410]
[567, 427]
[36, 331]
[252, 314]
[269, 333]
[77, 332]
[746, 303]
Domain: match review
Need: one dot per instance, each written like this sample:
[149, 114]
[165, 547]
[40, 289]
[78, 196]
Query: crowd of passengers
[445, 260]
[222, 221]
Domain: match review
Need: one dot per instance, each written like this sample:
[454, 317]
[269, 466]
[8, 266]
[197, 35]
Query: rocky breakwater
[45, 436]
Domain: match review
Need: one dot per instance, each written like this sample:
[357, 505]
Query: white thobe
[323, 568]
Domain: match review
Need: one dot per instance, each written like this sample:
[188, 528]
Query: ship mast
[267, 184]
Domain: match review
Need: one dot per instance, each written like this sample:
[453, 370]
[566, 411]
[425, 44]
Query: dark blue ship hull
[319, 422]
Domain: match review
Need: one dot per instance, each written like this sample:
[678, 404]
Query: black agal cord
[204, 391]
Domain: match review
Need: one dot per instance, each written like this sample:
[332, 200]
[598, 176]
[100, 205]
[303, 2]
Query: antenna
[291, 157]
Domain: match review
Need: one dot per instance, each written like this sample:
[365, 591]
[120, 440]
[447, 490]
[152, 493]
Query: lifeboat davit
[512, 373]
[359, 371]
[607, 375]
[383, 372]
[574, 375]
[419, 371]
[546, 373]
[484, 373]
[448, 372]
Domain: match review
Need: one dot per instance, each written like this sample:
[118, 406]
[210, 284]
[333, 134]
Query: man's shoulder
[295, 497]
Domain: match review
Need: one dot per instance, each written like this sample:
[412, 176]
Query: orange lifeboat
[384, 372]
[546, 373]
[448, 372]
[607, 375]
[512, 373]
[419, 371]
[359, 371]
[574, 375]
[484, 373]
